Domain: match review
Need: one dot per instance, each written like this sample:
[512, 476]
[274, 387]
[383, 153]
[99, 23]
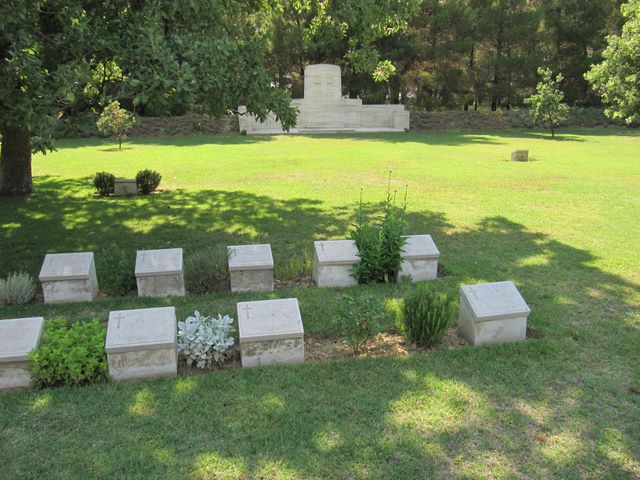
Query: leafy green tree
[546, 103]
[115, 121]
[203, 55]
[617, 78]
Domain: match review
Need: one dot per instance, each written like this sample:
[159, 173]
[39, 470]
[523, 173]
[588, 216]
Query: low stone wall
[460, 120]
[190, 124]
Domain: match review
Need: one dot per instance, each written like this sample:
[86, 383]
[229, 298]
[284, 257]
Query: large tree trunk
[15, 162]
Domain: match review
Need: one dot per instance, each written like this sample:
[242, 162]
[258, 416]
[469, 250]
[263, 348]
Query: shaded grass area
[563, 228]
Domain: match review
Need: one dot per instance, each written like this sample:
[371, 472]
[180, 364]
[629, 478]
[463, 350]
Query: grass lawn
[565, 228]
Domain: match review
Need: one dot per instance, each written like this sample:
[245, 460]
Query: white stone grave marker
[251, 268]
[141, 343]
[333, 261]
[270, 332]
[419, 258]
[17, 338]
[69, 277]
[159, 273]
[492, 313]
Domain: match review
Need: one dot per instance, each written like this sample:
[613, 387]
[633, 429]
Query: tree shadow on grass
[560, 406]
[171, 141]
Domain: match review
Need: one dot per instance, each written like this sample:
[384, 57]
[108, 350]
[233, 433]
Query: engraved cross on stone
[247, 310]
[117, 318]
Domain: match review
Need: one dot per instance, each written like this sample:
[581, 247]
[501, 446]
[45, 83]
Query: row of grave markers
[71, 277]
[141, 343]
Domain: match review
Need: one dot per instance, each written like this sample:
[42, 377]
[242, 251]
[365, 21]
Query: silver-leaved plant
[205, 340]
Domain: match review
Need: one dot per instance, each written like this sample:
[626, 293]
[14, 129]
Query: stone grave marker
[419, 258]
[270, 332]
[492, 313]
[333, 261]
[159, 273]
[251, 268]
[69, 277]
[17, 338]
[141, 343]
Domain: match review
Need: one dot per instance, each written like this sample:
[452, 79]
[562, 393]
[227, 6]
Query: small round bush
[115, 271]
[207, 270]
[426, 315]
[104, 183]
[147, 181]
[17, 289]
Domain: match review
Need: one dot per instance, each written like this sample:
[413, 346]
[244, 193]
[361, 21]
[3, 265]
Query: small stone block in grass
[520, 156]
[141, 343]
[123, 187]
[69, 277]
[270, 332]
[492, 313]
[333, 261]
[160, 273]
[419, 258]
[251, 268]
[17, 338]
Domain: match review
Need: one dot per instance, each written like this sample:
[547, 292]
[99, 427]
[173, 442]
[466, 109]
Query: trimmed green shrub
[207, 270]
[147, 181]
[70, 355]
[426, 315]
[104, 183]
[380, 244]
[115, 271]
[17, 289]
[358, 319]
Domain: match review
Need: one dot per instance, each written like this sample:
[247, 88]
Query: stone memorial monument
[123, 187]
[419, 258]
[17, 338]
[251, 268]
[492, 313]
[68, 277]
[141, 343]
[270, 332]
[159, 273]
[324, 109]
[333, 261]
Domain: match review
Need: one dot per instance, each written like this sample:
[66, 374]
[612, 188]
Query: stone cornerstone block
[520, 155]
[419, 258]
[270, 332]
[492, 313]
[251, 268]
[142, 343]
[17, 338]
[333, 261]
[124, 186]
[159, 273]
[69, 277]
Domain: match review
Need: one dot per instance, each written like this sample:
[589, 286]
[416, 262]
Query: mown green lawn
[565, 228]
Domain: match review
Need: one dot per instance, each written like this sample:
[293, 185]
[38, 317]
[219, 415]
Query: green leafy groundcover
[70, 355]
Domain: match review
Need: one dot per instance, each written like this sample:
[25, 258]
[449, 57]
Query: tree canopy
[617, 78]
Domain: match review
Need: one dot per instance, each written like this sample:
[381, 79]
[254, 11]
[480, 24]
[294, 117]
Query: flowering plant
[205, 340]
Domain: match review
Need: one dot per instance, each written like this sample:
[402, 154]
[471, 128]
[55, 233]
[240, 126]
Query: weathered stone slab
[18, 337]
[333, 261]
[251, 268]
[125, 186]
[492, 313]
[159, 273]
[520, 155]
[270, 332]
[141, 343]
[419, 258]
[69, 277]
